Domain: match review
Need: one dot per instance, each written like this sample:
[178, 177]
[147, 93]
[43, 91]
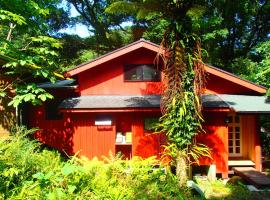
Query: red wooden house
[115, 98]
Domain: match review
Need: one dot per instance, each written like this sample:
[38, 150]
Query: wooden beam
[241, 163]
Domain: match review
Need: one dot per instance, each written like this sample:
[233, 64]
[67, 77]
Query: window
[234, 131]
[144, 72]
[150, 123]
[103, 121]
[52, 111]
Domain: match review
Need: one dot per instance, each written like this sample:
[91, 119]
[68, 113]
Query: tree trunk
[11, 27]
[181, 169]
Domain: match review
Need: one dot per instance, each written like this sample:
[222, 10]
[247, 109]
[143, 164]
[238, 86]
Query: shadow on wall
[153, 88]
[149, 145]
[56, 133]
[218, 149]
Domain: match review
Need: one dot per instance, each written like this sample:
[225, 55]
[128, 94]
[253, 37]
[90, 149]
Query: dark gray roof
[247, 104]
[238, 103]
[213, 101]
[71, 83]
[99, 102]
[135, 101]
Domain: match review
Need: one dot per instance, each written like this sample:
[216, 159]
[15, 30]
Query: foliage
[265, 135]
[41, 17]
[30, 172]
[27, 58]
[104, 26]
[256, 66]
[219, 190]
[232, 30]
[265, 140]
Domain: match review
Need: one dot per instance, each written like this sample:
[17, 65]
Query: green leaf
[42, 97]
[68, 169]
[71, 188]
[3, 94]
[22, 62]
[38, 176]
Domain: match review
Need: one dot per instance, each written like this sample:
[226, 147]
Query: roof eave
[236, 79]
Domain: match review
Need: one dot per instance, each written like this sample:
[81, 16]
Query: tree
[103, 25]
[184, 74]
[29, 56]
[232, 29]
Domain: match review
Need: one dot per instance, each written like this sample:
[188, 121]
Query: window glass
[145, 72]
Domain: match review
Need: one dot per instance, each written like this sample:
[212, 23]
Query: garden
[29, 170]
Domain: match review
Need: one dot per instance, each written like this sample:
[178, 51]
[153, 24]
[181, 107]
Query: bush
[30, 172]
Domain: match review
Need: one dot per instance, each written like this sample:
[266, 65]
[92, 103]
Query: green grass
[217, 190]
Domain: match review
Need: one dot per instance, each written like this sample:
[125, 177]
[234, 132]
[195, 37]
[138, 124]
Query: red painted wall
[145, 143]
[76, 133]
[108, 79]
[54, 133]
[218, 85]
[216, 138]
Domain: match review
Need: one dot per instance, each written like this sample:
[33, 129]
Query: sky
[79, 29]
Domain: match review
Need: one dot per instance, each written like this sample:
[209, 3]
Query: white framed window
[234, 135]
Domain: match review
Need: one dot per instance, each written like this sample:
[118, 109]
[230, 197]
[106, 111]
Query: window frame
[128, 67]
[235, 124]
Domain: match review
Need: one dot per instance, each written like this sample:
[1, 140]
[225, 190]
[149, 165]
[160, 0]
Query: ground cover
[30, 171]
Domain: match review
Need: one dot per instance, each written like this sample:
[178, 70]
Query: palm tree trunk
[181, 169]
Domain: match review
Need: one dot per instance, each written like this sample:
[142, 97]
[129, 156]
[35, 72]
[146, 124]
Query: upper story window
[141, 72]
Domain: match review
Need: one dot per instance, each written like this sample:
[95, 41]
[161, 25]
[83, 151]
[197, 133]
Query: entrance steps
[253, 176]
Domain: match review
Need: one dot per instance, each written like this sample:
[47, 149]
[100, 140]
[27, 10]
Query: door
[234, 136]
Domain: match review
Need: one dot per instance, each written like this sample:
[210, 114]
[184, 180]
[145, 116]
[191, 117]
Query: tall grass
[30, 172]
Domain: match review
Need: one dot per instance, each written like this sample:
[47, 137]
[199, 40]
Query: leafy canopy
[28, 55]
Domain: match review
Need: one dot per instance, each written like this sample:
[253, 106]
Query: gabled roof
[113, 54]
[156, 48]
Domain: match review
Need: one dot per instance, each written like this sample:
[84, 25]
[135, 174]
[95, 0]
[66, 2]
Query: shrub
[30, 172]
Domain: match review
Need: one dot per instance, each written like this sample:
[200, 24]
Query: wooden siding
[108, 79]
[216, 138]
[145, 143]
[76, 133]
[218, 85]
[93, 141]
[251, 144]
